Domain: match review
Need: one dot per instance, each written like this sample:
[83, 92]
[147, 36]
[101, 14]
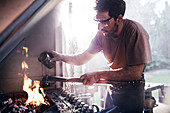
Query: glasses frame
[102, 21]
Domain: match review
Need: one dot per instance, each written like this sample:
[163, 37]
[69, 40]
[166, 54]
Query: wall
[10, 10]
[39, 38]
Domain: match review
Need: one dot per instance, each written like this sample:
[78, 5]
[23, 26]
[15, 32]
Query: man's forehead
[102, 15]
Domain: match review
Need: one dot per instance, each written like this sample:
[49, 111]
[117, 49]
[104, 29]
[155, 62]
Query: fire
[24, 66]
[34, 97]
[26, 50]
[23, 51]
[31, 87]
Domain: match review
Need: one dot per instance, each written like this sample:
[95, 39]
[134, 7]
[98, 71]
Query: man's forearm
[78, 59]
[75, 60]
[124, 74]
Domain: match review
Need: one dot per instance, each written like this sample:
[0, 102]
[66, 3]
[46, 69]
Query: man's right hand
[56, 56]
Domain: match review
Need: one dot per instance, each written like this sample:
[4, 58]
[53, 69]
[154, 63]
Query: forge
[29, 28]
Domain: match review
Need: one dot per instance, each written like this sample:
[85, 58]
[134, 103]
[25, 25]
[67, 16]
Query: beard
[112, 32]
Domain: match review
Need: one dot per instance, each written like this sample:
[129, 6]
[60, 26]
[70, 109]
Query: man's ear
[119, 19]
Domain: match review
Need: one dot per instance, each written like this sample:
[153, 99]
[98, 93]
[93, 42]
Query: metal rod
[64, 79]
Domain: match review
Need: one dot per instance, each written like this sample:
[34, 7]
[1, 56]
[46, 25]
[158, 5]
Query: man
[125, 44]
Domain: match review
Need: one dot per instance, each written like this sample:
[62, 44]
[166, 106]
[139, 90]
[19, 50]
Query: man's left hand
[90, 78]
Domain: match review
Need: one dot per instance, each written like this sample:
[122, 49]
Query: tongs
[44, 82]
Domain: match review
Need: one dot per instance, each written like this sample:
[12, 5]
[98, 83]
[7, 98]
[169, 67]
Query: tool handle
[64, 79]
[100, 81]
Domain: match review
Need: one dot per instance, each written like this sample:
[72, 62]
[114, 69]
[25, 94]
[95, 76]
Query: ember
[15, 103]
[34, 100]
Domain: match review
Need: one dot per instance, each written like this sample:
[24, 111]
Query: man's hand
[90, 78]
[56, 56]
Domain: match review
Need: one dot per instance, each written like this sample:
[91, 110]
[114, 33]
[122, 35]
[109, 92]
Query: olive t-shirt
[131, 47]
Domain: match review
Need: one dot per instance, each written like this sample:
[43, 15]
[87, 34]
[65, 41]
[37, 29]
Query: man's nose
[101, 26]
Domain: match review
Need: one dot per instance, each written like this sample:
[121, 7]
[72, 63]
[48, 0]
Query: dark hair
[115, 7]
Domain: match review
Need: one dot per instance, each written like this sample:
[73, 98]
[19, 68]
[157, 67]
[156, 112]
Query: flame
[26, 50]
[34, 97]
[32, 88]
[23, 51]
[24, 65]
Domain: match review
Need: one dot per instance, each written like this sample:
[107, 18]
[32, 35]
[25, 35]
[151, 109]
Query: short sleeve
[138, 47]
[95, 45]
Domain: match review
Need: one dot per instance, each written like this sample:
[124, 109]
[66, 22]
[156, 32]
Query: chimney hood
[13, 33]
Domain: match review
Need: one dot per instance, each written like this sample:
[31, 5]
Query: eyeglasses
[104, 22]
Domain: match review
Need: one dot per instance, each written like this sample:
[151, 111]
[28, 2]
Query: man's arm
[78, 59]
[123, 74]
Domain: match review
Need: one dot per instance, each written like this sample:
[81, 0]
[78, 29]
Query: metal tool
[45, 81]
[150, 101]
[45, 58]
